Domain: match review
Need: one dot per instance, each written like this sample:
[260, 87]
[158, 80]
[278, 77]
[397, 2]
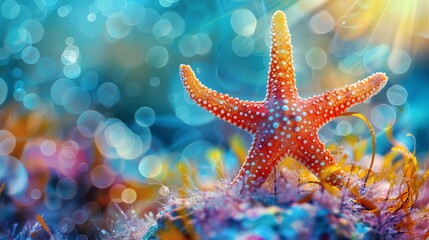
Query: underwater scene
[214, 119]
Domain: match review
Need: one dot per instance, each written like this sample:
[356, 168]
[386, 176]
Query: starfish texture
[283, 124]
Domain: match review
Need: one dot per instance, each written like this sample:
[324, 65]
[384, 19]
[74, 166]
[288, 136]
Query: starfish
[283, 124]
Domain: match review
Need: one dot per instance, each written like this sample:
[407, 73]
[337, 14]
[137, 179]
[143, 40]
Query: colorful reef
[107, 133]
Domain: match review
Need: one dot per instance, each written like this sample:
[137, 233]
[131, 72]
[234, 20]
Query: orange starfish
[284, 124]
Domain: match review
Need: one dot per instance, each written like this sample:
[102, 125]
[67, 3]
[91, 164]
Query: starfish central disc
[283, 124]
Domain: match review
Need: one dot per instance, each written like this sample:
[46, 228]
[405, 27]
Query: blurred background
[95, 123]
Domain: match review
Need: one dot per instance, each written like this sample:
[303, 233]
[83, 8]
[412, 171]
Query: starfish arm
[281, 77]
[243, 114]
[333, 103]
[311, 152]
[262, 159]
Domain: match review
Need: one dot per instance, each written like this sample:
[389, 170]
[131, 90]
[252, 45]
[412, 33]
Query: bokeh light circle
[14, 175]
[343, 128]
[48, 147]
[88, 122]
[316, 58]
[129, 196]
[150, 166]
[108, 94]
[3, 90]
[76, 100]
[399, 61]
[67, 188]
[243, 22]
[31, 31]
[58, 89]
[10, 9]
[7, 142]
[397, 95]
[30, 55]
[53, 201]
[102, 176]
[157, 56]
[66, 225]
[117, 27]
[145, 116]
[72, 71]
[322, 22]
[383, 116]
[242, 46]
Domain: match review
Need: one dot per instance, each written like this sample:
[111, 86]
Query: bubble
[88, 122]
[19, 94]
[399, 61]
[3, 90]
[76, 100]
[52, 201]
[322, 22]
[344, 128]
[162, 28]
[10, 9]
[157, 56]
[145, 116]
[243, 22]
[108, 94]
[155, 81]
[151, 17]
[36, 194]
[397, 95]
[48, 147]
[135, 13]
[32, 101]
[383, 116]
[59, 88]
[150, 166]
[116, 27]
[242, 46]
[7, 142]
[102, 176]
[31, 31]
[66, 188]
[72, 71]
[80, 216]
[129, 196]
[14, 175]
[66, 225]
[64, 11]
